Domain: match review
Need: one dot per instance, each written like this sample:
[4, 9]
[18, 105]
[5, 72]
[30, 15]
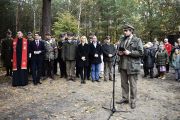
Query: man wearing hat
[130, 52]
[69, 56]
[6, 52]
[51, 54]
[109, 52]
[62, 63]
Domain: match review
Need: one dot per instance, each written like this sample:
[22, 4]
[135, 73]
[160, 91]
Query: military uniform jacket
[131, 62]
[51, 50]
[69, 51]
[6, 51]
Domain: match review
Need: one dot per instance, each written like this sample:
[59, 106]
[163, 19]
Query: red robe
[20, 59]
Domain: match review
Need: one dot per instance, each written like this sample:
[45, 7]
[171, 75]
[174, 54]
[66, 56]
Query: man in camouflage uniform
[50, 55]
[130, 52]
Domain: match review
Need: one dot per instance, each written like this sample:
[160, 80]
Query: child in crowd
[161, 61]
[176, 63]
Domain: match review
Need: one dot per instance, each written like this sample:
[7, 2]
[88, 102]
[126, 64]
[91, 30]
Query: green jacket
[162, 58]
[131, 62]
[69, 51]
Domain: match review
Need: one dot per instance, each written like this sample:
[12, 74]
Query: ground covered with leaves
[67, 100]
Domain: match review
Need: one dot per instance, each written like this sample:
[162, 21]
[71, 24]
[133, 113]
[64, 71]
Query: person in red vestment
[20, 59]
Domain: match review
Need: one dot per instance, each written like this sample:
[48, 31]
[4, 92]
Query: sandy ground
[66, 100]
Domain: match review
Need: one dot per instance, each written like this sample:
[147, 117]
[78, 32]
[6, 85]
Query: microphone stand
[113, 109]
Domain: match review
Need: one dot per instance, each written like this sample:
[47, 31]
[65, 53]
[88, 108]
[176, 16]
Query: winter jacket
[69, 51]
[132, 61]
[93, 51]
[176, 61]
[108, 49]
[162, 58]
[82, 51]
[149, 57]
[51, 50]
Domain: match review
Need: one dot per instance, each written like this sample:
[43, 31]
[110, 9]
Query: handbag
[162, 69]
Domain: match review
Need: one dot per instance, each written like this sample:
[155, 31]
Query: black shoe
[83, 82]
[98, 81]
[133, 105]
[35, 83]
[151, 77]
[39, 83]
[145, 76]
[123, 101]
[93, 80]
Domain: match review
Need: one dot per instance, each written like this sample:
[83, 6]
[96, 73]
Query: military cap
[49, 34]
[128, 26]
[70, 34]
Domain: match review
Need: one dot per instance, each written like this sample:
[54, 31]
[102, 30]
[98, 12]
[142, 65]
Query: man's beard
[126, 36]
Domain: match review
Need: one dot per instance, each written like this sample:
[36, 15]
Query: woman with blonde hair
[82, 58]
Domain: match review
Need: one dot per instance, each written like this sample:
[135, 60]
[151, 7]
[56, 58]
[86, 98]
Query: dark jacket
[69, 51]
[149, 57]
[6, 51]
[60, 44]
[82, 51]
[93, 51]
[34, 47]
[108, 49]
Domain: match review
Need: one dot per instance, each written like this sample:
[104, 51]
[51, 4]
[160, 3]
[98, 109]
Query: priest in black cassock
[20, 59]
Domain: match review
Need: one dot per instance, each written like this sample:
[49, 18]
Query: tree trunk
[79, 17]
[46, 17]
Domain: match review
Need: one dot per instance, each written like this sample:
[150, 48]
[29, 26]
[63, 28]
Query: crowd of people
[162, 56]
[40, 58]
[80, 57]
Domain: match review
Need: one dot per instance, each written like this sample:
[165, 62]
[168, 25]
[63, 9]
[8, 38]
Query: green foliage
[151, 18]
[65, 23]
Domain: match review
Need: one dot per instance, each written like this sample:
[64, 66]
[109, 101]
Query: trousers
[129, 83]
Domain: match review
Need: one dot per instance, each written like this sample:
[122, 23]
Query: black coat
[108, 49]
[82, 51]
[93, 51]
[149, 57]
[33, 47]
[60, 44]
